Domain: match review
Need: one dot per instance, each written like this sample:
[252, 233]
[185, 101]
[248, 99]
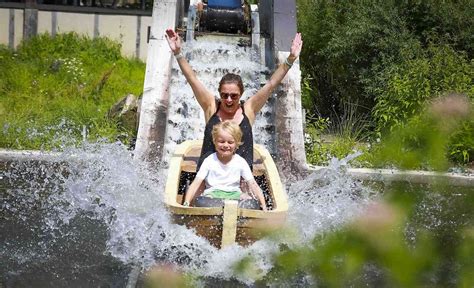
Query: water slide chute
[273, 26]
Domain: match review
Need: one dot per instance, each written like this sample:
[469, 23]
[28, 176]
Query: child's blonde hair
[229, 127]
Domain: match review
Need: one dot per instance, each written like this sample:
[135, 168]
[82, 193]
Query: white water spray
[105, 183]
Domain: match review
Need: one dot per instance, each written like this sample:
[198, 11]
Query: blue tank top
[245, 150]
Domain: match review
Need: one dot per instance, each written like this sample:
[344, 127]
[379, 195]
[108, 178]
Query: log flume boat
[229, 224]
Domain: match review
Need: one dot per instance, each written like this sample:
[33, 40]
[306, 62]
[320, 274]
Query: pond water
[94, 215]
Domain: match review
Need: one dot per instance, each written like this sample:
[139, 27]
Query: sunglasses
[233, 96]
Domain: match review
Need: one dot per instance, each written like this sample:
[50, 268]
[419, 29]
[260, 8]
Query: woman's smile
[230, 97]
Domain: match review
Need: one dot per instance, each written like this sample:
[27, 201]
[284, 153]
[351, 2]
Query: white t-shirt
[224, 177]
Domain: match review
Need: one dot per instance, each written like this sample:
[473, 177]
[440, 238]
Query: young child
[223, 169]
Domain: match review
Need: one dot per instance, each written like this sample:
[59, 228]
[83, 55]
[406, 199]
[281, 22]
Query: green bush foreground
[53, 89]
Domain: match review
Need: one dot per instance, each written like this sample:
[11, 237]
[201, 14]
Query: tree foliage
[388, 58]
[408, 85]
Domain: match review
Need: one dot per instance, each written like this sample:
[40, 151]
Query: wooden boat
[229, 224]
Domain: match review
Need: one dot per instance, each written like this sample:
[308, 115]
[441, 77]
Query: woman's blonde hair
[229, 127]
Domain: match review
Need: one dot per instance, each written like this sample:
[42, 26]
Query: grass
[51, 88]
[339, 137]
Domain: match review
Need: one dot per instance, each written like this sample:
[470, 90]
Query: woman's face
[230, 97]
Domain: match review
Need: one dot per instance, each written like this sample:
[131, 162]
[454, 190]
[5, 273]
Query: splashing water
[96, 206]
[326, 199]
[121, 204]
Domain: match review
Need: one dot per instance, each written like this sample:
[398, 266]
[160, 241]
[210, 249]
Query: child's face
[225, 143]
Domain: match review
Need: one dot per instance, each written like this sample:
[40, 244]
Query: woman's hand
[295, 49]
[173, 40]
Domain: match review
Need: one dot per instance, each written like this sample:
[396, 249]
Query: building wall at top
[121, 29]
[4, 23]
[11, 26]
[130, 31]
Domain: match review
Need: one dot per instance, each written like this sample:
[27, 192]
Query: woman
[229, 106]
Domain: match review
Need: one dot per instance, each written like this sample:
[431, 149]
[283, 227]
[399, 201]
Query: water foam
[105, 183]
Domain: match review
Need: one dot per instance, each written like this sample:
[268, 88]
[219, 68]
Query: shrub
[387, 56]
[343, 41]
[348, 44]
[461, 144]
[450, 23]
[426, 140]
[418, 78]
[347, 134]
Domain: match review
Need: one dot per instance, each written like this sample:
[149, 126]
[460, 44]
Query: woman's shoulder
[211, 109]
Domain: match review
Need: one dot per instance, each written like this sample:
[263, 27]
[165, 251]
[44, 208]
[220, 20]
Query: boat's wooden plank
[229, 223]
[197, 220]
[260, 214]
[204, 211]
[209, 227]
[279, 197]
[188, 166]
[261, 223]
[246, 236]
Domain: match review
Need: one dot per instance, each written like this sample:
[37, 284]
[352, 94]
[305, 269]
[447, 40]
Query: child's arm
[193, 188]
[255, 190]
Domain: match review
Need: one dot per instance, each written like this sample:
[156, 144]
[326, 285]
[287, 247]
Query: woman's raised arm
[256, 102]
[204, 97]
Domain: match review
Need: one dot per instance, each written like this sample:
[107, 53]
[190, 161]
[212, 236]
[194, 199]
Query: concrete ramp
[154, 106]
